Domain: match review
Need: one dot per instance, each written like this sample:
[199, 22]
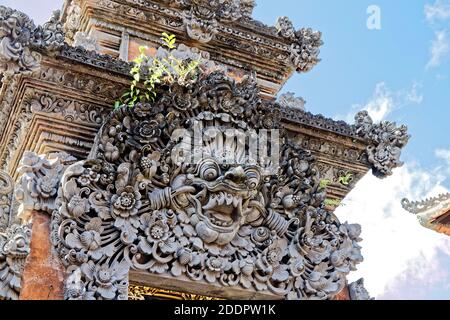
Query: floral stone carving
[14, 249]
[134, 205]
[19, 37]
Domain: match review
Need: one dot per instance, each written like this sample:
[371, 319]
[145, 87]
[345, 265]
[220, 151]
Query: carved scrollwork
[14, 249]
[201, 18]
[19, 37]
[6, 193]
[132, 204]
[386, 142]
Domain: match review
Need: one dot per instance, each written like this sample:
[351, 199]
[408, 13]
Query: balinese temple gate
[98, 202]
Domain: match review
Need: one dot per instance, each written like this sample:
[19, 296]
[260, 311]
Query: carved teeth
[212, 203]
[229, 199]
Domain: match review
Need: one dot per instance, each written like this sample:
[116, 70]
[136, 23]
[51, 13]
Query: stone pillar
[43, 275]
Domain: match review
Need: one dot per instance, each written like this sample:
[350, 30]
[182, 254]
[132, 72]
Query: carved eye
[208, 170]
[253, 177]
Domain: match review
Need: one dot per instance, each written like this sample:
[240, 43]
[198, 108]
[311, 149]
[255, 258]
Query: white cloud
[394, 243]
[440, 48]
[440, 10]
[384, 101]
[443, 154]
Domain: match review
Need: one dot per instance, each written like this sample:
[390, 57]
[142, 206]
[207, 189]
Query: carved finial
[305, 44]
[386, 142]
[19, 36]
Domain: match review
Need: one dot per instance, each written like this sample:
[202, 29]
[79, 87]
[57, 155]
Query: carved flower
[150, 164]
[157, 231]
[107, 279]
[47, 186]
[149, 131]
[88, 177]
[126, 202]
[297, 267]
[269, 260]
[111, 152]
[90, 240]
[320, 282]
[78, 206]
[215, 266]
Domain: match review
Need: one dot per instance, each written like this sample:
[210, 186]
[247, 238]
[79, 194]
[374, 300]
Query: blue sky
[393, 73]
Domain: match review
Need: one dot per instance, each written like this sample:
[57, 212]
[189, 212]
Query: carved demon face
[219, 199]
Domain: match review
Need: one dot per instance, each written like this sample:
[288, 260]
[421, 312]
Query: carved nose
[236, 175]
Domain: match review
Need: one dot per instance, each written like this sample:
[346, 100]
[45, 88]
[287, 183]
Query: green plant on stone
[332, 202]
[149, 71]
[323, 184]
[345, 179]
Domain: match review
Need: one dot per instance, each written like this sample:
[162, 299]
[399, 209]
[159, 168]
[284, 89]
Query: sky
[398, 71]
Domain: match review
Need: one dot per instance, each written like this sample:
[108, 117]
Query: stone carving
[305, 44]
[70, 110]
[18, 37]
[95, 59]
[387, 141]
[133, 205]
[39, 182]
[6, 191]
[288, 100]
[82, 40]
[201, 17]
[357, 291]
[14, 249]
[72, 21]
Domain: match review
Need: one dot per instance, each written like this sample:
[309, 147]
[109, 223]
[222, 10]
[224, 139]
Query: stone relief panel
[131, 205]
[14, 249]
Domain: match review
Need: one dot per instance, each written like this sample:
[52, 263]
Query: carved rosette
[133, 205]
[14, 249]
[386, 141]
[305, 44]
[39, 181]
[19, 37]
